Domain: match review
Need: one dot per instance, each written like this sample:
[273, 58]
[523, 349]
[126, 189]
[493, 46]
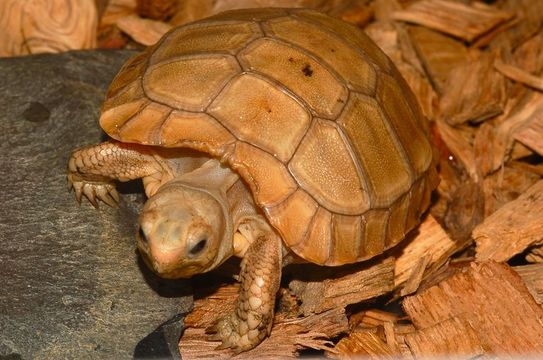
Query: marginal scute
[387, 173]
[114, 117]
[130, 93]
[267, 177]
[189, 83]
[316, 246]
[347, 236]
[145, 126]
[207, 36]
[396, 223]
[334, 51]
[293, 217]
[375, 232]
[260, 113]
[300, 73]
[323, 166]
[415, 201]
[405, 119]
[195, 130]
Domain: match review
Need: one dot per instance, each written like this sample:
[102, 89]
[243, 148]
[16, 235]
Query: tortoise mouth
[170, 264]
[169, 271]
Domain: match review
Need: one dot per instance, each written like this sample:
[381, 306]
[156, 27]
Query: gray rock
[72, 285]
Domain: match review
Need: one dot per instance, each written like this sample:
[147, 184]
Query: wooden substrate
[483, 309]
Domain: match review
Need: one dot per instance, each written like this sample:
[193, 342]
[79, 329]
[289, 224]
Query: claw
[114, 194]
[103, 194]
[78, 190]
[222, 346]
[90, 195]
[214, 337]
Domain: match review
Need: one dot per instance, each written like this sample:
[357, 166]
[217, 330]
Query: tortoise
[268, 134]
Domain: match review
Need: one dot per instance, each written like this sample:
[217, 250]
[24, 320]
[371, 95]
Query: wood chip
[530, 18]
[516, 74]
[439, 54]
[144, 31]
[458, 141]
[417, 273]
[454, 18]
[117, 9]
[506, 185]
[430, 243]
[535, 255]
[531, 133]
[529, 55]
[482, 148]
[371, 318]
[323, 289]
[288, 337]
[474, 92]
[453, 336]
[518, 113]
[497, 310]
[532, 275]
[365, 344]
[513, 228]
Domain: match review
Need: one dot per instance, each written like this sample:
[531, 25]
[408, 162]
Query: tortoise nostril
[142, 236]
[200, 245]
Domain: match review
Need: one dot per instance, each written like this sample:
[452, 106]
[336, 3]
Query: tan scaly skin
[198, 214]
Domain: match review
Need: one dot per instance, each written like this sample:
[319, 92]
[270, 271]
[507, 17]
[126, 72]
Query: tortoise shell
[306, 108]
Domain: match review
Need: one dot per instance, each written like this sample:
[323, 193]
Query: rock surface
[72, 284]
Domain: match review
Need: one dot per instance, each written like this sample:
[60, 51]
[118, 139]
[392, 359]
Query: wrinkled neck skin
[186, 226]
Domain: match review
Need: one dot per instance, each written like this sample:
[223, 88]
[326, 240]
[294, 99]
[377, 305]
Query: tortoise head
[184, 230]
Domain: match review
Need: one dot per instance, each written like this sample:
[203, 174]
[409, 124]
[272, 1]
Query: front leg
[260, 276]
[92, 169]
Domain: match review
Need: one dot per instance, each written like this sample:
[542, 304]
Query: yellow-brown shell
[306, 108]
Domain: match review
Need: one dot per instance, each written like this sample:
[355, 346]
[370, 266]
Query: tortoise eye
[200, 245]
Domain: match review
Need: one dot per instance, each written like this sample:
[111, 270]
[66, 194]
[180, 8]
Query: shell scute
[328, 47]
[205, 37]
[202, 131]
[293, 217]
[267, 177]
[347, 237]
[404, 116]
[350, 33]
[323, 166]
[316, 245]
[386, 171]
[191, 82]
[259, 112]
[299, 72]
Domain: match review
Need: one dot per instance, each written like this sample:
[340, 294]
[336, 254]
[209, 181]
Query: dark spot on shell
[291, 59]
[332, 50]
[307, 70]
[36, 112]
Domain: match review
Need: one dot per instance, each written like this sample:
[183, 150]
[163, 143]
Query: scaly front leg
[92, 169]
[260, 276]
